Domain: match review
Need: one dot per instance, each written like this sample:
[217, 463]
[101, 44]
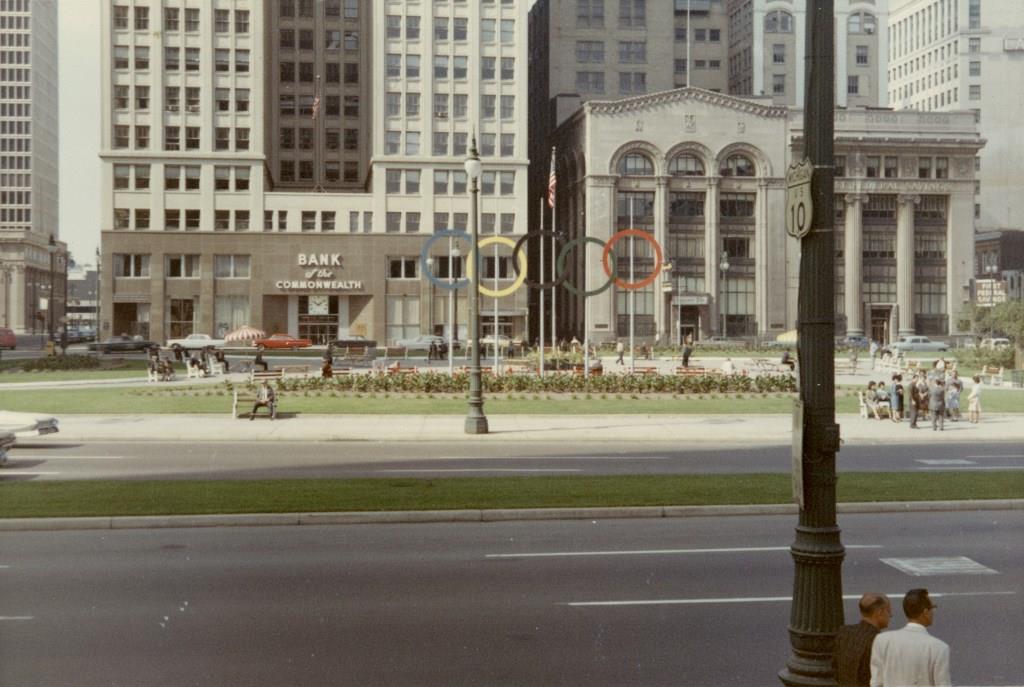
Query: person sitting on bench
[259, 361]
[219, 357]
[787, 359]
[265, 397]
[194, 361]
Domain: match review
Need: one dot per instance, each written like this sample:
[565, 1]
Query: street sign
[799, 206]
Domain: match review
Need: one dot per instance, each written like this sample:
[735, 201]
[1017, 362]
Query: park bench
[243, 398]
[260, 375]
[645, 370]
[294, 370]
[465, 369]
[993, 374]
[356, 354]
[884, 407]
[694, 371]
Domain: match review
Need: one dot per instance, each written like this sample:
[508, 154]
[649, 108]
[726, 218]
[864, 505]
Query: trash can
[1017, 378]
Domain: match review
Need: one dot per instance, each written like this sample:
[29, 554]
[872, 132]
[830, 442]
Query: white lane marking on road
[977, 467]
[27, 473]
[17, 617]
[939, 565]
[42, 456]
[660, 552]
[755, 599]
[1000, 455]
[555, 457]
[484, 470]
[4, 567]
[945, 461]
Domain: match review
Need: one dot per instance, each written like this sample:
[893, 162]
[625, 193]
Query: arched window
[737, 166]
[686, 165]
[778, 21]
[636, 165]
[861, 22]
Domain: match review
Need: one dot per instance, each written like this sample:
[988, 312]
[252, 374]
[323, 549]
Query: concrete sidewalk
[722, 430]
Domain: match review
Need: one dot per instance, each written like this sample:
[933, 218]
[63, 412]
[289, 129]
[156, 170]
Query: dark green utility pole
[817, 610]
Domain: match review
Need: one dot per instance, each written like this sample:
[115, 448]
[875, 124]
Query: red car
[281, 341]
[7, 339]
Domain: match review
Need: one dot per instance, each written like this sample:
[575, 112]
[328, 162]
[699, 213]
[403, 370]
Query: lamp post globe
[476, 421]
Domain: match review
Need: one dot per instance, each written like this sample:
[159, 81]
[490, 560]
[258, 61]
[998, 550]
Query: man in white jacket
[911, 656]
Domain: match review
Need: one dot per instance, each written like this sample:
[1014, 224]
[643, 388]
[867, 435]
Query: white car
[995, 343]
[916, 344]
[195, 342]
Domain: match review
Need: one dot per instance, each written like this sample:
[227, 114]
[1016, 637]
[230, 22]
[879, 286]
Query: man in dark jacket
[852, 657]
[937, 404]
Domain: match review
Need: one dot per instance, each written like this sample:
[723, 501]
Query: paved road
[53, 458]
[694, 602]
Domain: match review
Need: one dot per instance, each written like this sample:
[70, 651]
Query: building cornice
[678, 95]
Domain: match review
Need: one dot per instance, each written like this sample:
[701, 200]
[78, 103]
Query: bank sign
[318, 275]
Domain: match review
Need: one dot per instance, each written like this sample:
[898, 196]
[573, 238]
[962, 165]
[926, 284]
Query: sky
[79, 77]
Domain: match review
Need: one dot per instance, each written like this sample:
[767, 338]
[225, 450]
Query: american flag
[316, 105]
[552, 181]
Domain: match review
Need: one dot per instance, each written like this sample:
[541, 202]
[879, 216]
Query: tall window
[632, 14]
[590, 14]
[737, 166]
[402, 317]
[636, 164]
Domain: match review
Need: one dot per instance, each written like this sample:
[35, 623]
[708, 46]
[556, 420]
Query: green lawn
[179, 497]
[215, 399]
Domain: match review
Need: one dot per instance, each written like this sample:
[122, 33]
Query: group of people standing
[865, 656]
[935, 392]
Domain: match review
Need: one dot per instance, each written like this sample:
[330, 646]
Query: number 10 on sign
[799, 205]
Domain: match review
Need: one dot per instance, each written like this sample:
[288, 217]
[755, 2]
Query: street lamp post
[723, 296]
[51, 247]
[476, 421]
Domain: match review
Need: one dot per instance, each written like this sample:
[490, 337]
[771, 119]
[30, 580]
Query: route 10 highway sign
[799, 206]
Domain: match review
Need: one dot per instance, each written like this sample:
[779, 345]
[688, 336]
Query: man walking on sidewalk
[852, 658]
[937, 404]
[911, 656]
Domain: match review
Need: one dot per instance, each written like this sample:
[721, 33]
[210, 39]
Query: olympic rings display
[509, 290]
[520, 266]
[657, 259]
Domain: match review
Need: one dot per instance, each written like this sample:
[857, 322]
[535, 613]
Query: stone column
[16, 302]
[600, 223]
[905, 263]
[854, 263]
[661, 319]
[711, 256]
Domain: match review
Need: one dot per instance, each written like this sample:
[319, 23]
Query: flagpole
[632, 293]
[540, 292]
[554, 250]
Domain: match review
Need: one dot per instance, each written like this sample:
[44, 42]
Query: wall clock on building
[318, 305]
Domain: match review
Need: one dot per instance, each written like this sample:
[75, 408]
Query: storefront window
[403, 318]
[230, 312]
[180, 318]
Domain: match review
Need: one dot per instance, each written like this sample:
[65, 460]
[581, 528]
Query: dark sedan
[122, 344]
[355, 341]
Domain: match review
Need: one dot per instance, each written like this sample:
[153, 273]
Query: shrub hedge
[61, 362]
[435, 382]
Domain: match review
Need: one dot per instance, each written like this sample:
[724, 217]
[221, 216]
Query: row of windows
[180, 177]
[15, 57]
[16, 162]
[490, 29]
[20, 215]
[15, 40]
[305, 72]
[334, 39]
[172, 99]
[887, 167]
[172, 19]
[15, 92]
[699, 35]
[305, 8]
[172, 137]
[136, 265]
[290, 171]
[630, 83]
[172, 59]
[16, 145]
[15, 197]
[680, 65]
[590, 14]
[290, 105]
[302, 138]
[488, 67]
[639, 164]
[15, 75]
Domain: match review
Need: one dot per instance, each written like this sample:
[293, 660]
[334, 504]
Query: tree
[1008, 318]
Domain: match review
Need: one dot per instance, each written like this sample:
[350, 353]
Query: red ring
[657, 260]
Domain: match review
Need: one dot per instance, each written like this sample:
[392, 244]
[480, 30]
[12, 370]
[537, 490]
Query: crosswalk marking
[660, 552]
[939, 565]
[755, 599]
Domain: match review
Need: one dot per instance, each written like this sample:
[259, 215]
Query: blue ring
[461, 282]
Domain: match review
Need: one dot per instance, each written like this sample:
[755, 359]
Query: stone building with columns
[700, 177]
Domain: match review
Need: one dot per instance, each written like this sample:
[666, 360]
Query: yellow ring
[508, 290]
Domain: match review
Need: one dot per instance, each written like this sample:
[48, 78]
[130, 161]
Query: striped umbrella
[244, 333]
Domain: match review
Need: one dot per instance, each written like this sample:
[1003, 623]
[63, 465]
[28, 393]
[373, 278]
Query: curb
[474, 515]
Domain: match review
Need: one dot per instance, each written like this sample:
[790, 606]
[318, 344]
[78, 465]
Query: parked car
[995, 343]
[122, 343]
[906, 344]
[721, 342]
[81, 334]
[354, 341]
[281, 341]
[194, 342]
[7, 339]
[503, 341]
[423, 341]
[861, 342]
[27, 424]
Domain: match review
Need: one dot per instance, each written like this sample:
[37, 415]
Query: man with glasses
[911, 656]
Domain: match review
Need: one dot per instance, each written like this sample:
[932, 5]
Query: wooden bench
[646, 370]
[466, 369]
[884, 407]
[246, 398]
[259, 375]
[356, 354]
[993, 374]
[694, 371]
[294, 370]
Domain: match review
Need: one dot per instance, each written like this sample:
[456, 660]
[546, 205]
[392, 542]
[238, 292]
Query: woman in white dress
[974, 402]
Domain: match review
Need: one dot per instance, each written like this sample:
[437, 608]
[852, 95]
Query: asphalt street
[52, 458]
[697, 601]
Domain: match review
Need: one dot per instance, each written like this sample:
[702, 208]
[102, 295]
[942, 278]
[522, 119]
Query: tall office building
[767, 51]
[955, 55]
[28, 167]
[318, 50]
[238, 190]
